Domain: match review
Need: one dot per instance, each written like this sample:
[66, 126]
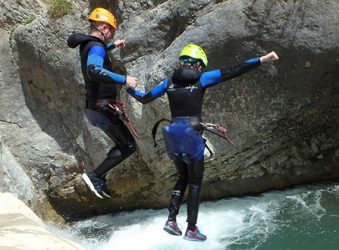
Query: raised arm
[157, 91]
[211, 78]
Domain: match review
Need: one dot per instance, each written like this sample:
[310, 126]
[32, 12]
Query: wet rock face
[282, 117]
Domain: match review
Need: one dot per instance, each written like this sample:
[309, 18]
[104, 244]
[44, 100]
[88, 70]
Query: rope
[220, 131]
[120, 109]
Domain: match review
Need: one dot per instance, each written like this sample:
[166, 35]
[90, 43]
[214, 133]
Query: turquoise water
[300, 218]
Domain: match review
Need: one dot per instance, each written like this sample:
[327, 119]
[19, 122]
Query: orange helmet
[103, 15]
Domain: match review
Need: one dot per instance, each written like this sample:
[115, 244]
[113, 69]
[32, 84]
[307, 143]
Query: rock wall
[20, 228]
[282, 117]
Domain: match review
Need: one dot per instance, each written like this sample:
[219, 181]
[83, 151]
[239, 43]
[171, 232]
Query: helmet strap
[101, 32]
[188, 60]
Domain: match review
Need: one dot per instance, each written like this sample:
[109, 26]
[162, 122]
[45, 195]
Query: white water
[238, 223]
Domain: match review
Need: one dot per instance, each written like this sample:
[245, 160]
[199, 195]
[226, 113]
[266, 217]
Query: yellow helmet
[103, 15]
[194, 51]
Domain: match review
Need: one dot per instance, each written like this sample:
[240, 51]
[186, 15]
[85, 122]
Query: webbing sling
[155, 128]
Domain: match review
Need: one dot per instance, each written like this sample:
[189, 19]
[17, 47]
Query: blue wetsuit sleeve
[214, 77]
[157, 91]
[210, 78]
[95, 69]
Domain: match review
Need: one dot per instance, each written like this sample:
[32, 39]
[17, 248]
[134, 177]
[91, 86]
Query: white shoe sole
[90, 185]
[106, 194]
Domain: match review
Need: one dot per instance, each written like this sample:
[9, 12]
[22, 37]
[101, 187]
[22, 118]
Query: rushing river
[303, 218]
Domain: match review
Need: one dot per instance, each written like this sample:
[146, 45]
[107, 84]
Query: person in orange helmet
[103, 106]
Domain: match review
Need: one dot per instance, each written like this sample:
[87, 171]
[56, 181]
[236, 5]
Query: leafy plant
[12, 29]
[59, 8]
[29, 19]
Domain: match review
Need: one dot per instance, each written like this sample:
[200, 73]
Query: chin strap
[102, 33]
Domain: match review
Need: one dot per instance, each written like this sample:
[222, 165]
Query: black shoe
[105, 191]
[96, 184]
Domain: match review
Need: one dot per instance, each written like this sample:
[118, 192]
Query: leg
[125, 146]
[178, 192]
[195, 173]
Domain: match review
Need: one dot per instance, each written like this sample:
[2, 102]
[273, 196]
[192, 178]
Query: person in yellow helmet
[103, 106]
[183, 137]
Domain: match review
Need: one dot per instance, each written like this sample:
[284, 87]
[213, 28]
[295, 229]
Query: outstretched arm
[231, 72]
[270, 57]
[214, 77]
[96, 71]
[234, 71]
[155, 92]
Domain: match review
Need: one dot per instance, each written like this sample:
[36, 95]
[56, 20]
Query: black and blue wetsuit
[183, 137]
[103, 89]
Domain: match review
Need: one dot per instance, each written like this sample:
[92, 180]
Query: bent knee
[128, 149]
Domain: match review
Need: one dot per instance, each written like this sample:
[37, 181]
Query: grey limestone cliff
[282, 117]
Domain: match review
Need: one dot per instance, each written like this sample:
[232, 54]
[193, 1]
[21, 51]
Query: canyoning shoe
[105, 191]
[171, 227]
[96, 184]
[195, 235]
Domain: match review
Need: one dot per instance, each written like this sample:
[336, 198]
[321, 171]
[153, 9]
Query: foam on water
[239, 223]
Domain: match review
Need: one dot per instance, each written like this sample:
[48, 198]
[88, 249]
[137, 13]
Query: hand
[270, 57]
[131, 82]
[120, 44]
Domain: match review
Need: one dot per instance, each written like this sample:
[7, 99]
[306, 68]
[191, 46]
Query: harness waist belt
[92, 104]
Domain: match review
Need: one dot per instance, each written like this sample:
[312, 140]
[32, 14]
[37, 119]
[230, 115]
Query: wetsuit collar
[186, 76]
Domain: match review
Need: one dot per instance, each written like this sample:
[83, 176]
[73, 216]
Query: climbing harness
[118, 108]
[216, 129]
